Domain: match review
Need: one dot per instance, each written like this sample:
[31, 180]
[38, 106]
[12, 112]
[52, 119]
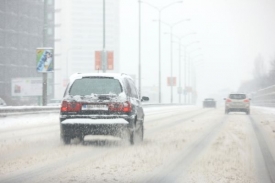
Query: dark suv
[101, 104]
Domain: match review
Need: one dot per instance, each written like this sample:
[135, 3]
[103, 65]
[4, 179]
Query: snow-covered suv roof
[113, 75]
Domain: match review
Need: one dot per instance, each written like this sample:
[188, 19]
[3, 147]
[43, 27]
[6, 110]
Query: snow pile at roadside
[266, 110]
[28, 120]
[229, 158]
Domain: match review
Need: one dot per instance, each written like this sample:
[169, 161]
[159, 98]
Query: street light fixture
[159, 18]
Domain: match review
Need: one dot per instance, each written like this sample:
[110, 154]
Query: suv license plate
[95, 107]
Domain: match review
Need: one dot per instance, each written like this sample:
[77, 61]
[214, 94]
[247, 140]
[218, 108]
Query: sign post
[44, 64]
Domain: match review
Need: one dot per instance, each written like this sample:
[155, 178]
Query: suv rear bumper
[87, 121]
[238, 109]
[75, 127]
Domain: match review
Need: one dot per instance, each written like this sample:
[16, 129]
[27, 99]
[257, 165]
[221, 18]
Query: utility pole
[185, 75]
[139, 48]
[103, 54]
[45, 76]
[159, 57]
[180, 90]
[171, 71]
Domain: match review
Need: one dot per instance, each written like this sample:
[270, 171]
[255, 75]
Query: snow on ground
[265, 117]
[265, 110]
[27, 120]
[230, 157]
[132, 163]
[35, 154]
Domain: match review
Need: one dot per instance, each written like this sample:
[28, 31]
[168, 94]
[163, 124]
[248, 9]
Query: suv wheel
[137, 135]
[248, 112]
[66, 140]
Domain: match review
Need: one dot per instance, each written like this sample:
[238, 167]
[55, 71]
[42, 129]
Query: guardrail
[264, 97]
[21, 110]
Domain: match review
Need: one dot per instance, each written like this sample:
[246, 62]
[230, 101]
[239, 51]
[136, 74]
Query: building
[79, 35]
[21, 32]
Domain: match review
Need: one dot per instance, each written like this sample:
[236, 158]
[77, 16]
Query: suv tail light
[228, 100]
[120, 107]
[70, 106]
[246, 100]
[127, 107]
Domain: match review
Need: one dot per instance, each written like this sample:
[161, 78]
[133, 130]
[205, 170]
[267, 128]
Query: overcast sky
[232, 33]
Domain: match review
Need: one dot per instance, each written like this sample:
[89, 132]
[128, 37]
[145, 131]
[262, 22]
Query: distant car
[209, 102]
[2, 103]
[54, 102]
[237, 102]
[101, 104]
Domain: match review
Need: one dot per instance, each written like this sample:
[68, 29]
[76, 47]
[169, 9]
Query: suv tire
[136, 136]
[66, 140]
[248, 112]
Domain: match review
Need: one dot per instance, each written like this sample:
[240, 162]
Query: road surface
[181, 144]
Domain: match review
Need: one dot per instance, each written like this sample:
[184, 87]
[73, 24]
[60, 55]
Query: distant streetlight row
[171, 47]
[159, 19]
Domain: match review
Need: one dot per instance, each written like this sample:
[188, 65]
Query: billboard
[23, 87]
[44, 60]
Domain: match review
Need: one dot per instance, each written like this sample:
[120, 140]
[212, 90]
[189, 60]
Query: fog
[231, 35]
[67, 114]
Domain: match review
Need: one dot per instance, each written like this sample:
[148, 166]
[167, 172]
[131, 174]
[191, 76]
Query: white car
[237, 102]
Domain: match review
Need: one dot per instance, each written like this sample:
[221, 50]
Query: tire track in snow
[179, 166]
[16, 154]
[267, 156]
[29, 174]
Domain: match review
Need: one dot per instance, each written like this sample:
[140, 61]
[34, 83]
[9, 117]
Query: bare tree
[259, 68]
[272, 72]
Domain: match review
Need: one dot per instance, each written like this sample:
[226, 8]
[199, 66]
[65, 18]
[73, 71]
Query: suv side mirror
[144, 99]
[224, 98]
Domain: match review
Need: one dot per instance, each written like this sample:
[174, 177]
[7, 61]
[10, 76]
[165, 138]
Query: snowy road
[182, 144]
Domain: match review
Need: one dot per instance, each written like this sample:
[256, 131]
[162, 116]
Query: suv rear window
[237, 96]
[87, 86]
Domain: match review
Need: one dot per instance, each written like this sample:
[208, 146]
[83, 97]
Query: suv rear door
[237, 100]
[132, 93]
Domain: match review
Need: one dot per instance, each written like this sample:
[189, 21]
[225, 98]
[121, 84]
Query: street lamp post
[159, 18]
[139, 48]
[103, 56]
